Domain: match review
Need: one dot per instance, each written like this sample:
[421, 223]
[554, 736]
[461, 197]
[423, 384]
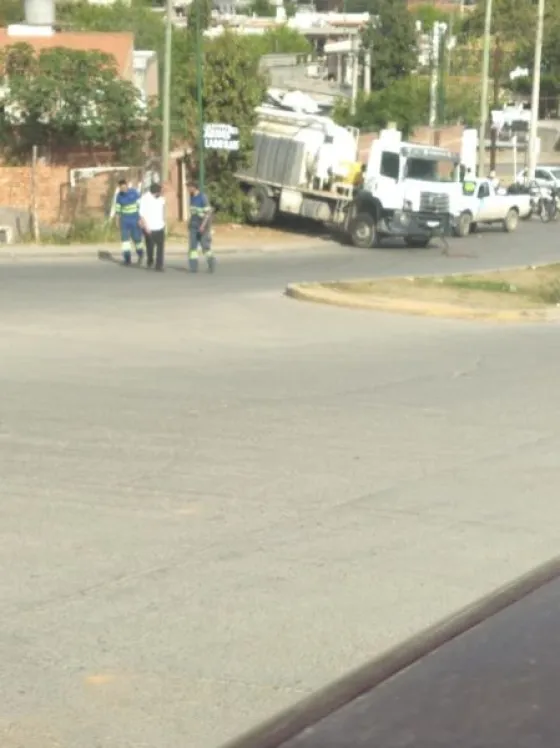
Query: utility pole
[434, 79]
[165, 138]
[355, 75]
[199, 93]
[536, 93]
[484, 92]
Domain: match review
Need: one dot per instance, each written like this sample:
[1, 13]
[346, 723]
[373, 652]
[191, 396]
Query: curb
[320, 293]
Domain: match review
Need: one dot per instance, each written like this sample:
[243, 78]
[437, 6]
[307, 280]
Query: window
[390, 165]
[483, 191]
[542, 174]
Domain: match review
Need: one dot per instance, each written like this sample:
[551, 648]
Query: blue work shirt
[199, 208]
[128, 203]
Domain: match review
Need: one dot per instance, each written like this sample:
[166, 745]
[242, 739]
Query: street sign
[221, 137]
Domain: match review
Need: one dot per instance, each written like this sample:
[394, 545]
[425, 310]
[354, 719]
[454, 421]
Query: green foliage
[428, 15]
[199, 15]
[404, 102]
[11, 11]
[281, 40]
[462, 103]
[136, 17]
[262, 8]
[233, 88]
[67, 96]
[391, 38]
[512, 21]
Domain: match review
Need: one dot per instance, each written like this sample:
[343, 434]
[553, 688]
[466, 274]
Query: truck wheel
[418, 242]
[262, 207]
[511, 220]
[363, 232]
[464, 222]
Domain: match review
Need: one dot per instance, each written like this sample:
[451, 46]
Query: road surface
[216, 499]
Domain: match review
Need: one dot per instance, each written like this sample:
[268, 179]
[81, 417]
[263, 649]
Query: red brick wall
[56, 201]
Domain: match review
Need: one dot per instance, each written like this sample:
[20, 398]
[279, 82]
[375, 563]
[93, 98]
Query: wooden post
[34, 212]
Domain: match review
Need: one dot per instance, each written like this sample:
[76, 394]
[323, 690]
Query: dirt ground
[522, 284]
[292, 231]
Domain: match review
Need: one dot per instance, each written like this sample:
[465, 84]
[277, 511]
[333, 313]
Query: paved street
[216, 499]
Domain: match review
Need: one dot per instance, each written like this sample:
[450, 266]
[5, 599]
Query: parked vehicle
[481, 203]
[544, 201]
[549, 204]
[545, 176]
[407, 188]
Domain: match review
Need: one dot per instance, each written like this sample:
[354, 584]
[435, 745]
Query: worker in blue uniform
[199, 229]
[127, 213]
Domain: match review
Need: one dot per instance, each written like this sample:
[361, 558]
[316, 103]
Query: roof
[118, 44]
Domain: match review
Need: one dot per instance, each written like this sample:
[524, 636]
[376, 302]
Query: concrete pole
[165, 138]
[536, 93]
[355, 71]
[339, 68]
[434, 76]
[367, 73]
[484, 91]
[355, 75]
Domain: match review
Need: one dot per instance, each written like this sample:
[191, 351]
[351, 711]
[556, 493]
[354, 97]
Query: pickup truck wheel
[418, 242]
[464, 223]
[262, 207]
[511, 220]
[363, 232]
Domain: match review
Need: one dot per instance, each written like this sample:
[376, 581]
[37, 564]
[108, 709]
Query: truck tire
[464, 223]
[417, 242]
[363, 231]
[262, 207]
[511, 220]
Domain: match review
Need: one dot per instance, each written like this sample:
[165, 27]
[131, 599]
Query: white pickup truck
[481, 203]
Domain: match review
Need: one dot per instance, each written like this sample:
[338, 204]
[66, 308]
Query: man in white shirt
[152, 221]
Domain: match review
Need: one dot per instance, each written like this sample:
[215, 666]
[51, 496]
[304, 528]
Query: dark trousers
[155, 240]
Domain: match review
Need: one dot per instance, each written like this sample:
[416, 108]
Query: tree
[233, 88]
[11, 11]
[404, 102]
[136, 17]
[428, 15]
[262, 8]
[391, 38]
[67, 96]
[199, 15]
[281, 40]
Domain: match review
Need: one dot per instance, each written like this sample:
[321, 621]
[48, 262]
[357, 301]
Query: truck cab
[408, 192]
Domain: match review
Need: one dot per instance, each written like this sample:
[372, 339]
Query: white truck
[480, 202]
[407, 188]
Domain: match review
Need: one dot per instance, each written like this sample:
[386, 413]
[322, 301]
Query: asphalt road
[215, 499]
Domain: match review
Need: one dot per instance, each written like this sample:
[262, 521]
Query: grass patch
[526, 288]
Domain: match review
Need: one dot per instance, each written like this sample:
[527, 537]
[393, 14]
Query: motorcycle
[549, 204]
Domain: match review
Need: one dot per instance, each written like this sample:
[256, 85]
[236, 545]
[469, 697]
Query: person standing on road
[152, 221]
[200, 229]
[128, 221]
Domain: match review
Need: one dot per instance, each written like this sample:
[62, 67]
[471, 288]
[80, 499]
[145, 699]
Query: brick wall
[57, 202]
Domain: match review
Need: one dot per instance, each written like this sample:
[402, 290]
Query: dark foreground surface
[495, 686]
